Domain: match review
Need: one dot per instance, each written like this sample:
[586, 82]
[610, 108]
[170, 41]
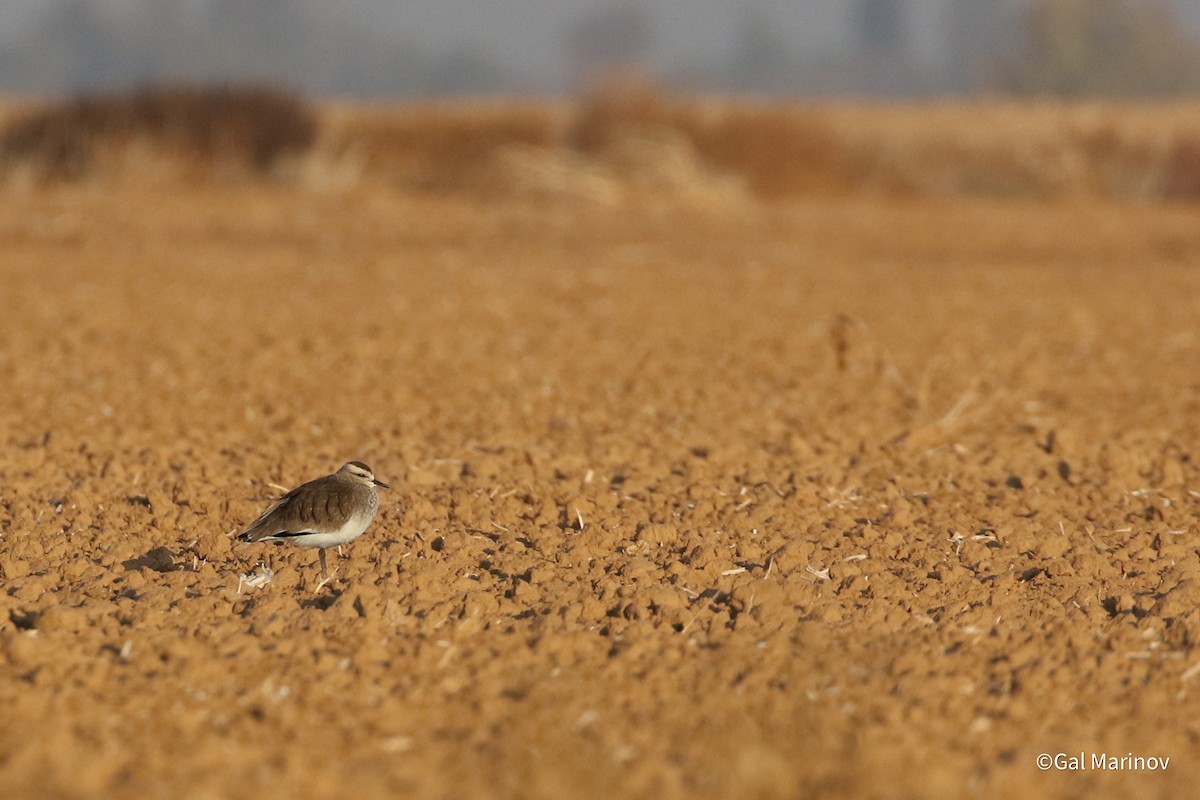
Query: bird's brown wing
[319, 506]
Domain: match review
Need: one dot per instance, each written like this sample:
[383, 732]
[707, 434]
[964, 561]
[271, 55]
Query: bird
[325, 512]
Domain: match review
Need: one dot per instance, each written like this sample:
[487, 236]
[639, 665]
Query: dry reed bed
[621, 144]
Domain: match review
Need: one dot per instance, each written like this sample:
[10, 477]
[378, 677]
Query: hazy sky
[525, 44]
[527, 37]
[15, 16]
[528, 33]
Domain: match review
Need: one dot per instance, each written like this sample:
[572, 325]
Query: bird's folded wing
[305, 509]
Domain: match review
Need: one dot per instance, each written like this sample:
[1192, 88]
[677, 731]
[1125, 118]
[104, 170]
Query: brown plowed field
[844, 497]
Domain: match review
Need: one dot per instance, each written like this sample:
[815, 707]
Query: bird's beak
[380, 484]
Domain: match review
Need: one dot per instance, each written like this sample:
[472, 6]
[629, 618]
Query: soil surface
[847, 498]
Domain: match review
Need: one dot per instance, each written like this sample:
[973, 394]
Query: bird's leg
[325, 578]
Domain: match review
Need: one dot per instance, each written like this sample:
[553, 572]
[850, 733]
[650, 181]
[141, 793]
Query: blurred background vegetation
[623, 101]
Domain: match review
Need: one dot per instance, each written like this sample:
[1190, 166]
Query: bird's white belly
[353, 528]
